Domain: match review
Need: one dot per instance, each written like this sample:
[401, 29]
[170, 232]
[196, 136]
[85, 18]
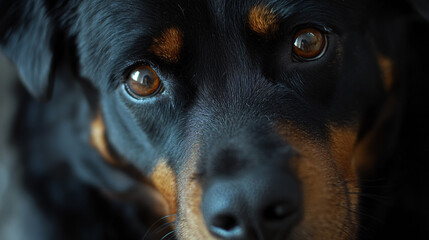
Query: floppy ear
[26, 33]
[422, 7]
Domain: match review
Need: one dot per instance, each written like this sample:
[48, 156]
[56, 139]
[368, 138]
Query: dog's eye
[309, 44]
[143, 82]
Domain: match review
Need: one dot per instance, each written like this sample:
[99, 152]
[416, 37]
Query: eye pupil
[143, 82]
[309, 43]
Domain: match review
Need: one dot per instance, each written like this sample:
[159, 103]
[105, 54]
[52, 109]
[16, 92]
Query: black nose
[259, 204]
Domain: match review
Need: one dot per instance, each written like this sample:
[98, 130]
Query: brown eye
[143, 82]
[309, 44]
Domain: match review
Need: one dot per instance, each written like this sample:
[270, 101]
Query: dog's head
[252, 119]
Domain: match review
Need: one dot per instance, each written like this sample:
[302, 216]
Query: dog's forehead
[112, 34]
[206, 39]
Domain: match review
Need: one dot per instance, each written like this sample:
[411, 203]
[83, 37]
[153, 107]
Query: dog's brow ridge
[168, 46]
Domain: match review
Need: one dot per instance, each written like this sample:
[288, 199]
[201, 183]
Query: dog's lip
[235, 231]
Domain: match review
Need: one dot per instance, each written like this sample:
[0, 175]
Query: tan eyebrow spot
[263, 21]
[164, 180]
[168, 45]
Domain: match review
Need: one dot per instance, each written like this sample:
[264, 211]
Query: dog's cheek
[328, 209]
[326, 203]
[342, 145]
[368, 148]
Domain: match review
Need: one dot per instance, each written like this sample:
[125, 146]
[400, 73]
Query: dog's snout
[260, 204]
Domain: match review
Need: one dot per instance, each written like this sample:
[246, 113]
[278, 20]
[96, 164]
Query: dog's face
[250, 118]
[245, 116]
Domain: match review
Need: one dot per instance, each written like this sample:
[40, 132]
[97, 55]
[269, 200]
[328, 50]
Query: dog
[217, 119]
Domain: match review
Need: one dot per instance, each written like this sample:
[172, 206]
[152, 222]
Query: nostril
[277, 212]
[226, 226]
[225, 222]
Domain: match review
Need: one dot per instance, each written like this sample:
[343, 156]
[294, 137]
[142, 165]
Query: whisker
[164, 226]
[166, 235]
[172, 237]
[361, 213]
[377, 197]
[366, 180]
[150, 230]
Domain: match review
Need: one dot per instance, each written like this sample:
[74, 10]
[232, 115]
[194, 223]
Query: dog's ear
[422, 7]
[26, 38]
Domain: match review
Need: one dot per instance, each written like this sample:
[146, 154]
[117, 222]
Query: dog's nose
[262, 204]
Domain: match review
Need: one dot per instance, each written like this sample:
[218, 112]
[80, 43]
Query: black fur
[228, 89]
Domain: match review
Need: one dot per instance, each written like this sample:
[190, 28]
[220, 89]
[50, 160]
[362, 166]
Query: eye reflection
[143, 82]
[309, 44]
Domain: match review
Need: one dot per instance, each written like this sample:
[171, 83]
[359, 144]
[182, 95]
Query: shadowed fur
[257, 129]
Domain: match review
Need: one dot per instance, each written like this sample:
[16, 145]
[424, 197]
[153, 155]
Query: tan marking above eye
[309, 43]
[262, 21]
[143, 82]
[169, 45]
